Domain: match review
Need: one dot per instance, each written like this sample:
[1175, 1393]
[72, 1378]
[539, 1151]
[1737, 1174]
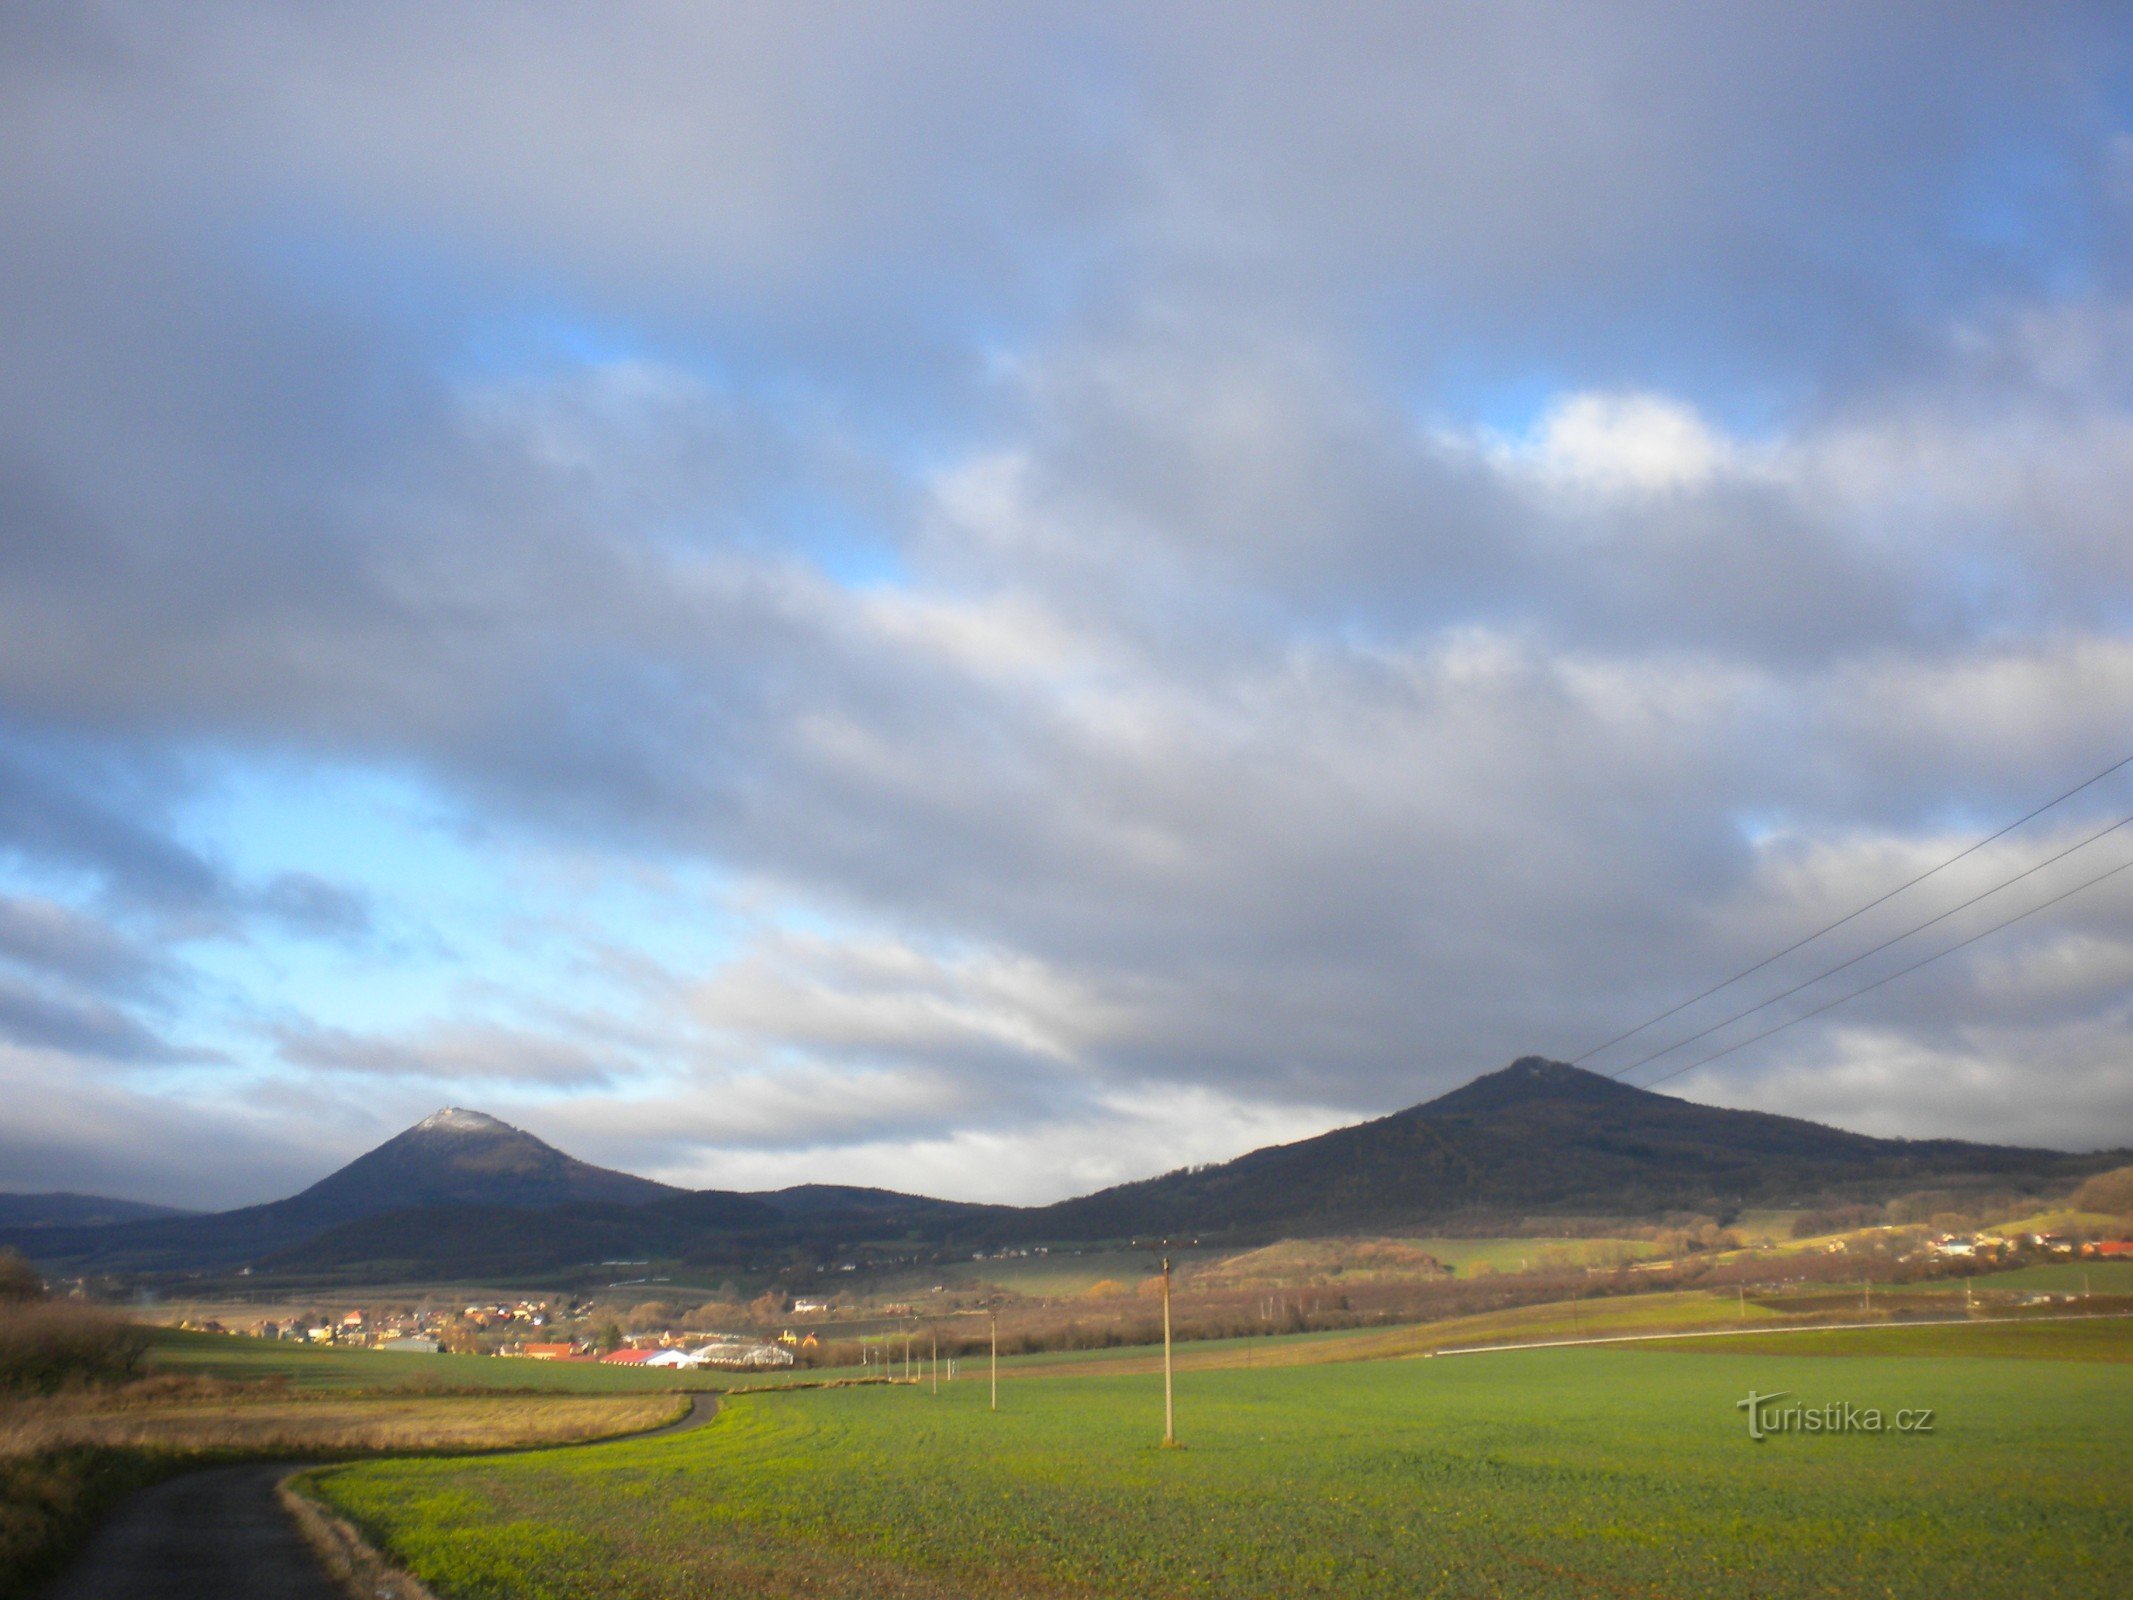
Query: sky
[996, 599]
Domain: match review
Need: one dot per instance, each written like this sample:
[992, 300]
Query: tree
[2107, 1192]
[609, 1337]
[19, 1278]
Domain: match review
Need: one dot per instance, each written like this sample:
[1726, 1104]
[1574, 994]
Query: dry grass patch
[281, 1424]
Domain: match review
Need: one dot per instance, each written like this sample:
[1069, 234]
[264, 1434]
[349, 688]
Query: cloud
[1620, 444]
[1171, 568]
[465, 1054]
[44, 936]
[40, 1020]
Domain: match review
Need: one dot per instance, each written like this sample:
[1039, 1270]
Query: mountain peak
[456, 1156]
[1530, 1078]
[457, 1119]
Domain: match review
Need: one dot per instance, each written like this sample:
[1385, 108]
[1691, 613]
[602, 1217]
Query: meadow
[1578, 1472]
[329, 1368]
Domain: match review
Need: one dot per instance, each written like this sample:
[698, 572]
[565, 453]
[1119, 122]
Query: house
[420, 1346]
[2111, 1249]
[547, 1352]
[627, 1358]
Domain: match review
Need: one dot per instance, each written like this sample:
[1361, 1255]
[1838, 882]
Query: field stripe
[1767, 1328]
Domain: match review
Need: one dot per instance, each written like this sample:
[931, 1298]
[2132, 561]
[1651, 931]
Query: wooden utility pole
[994, 1313]
[934, 1334]
[1170, 1436]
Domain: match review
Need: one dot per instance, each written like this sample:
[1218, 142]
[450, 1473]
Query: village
[527, 1329]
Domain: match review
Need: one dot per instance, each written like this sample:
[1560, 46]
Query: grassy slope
[2102, 1340]
[2056, 1222]
[1678, 1309]
[1547, 1473]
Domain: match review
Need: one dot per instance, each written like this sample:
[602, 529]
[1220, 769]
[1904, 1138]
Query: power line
[1849, 916]
[1809, 983]
[1892, 977]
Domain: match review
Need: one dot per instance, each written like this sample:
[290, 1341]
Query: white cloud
[1614, 444]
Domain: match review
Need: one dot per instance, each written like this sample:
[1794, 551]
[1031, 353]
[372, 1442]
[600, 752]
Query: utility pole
[934, 1334]
[994, 1313]
[1170, 1436]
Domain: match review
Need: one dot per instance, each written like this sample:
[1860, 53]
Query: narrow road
[221, 1534]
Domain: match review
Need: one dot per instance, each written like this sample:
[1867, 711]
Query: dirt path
[221, 1534]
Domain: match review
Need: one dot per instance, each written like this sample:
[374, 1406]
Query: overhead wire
[1851, 916]
[1891, 977]
[1896, 939]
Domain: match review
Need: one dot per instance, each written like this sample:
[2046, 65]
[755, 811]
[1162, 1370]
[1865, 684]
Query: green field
[2056, 1277]
[1465, 1256]
[326, 1368]
[2106, 1339]
[1539, 1473]
[2095, 1223]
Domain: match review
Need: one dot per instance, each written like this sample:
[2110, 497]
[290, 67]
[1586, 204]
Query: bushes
[2107, 1192]
[19, 1280]
[50, 1501]
[55, 1344]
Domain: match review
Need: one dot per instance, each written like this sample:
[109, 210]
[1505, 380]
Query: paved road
[221, 1534]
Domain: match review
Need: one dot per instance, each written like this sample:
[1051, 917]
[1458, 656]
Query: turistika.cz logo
[1767, 1417]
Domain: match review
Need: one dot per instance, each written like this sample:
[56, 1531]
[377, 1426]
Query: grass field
[2102, 1340]
[1570, 1473]
[1528, 1255]
[2096, 1223]
[1677, 1309]
[2056, 1277]
[324, 1367]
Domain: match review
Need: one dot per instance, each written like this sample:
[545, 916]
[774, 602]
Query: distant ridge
[451, 1158]
[1542, 1137]
[60, 1209]
[462, 1194]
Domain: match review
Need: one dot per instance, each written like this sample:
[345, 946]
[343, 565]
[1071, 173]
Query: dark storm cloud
[1259, 553]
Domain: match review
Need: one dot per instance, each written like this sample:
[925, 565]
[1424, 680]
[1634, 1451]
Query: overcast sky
[992, 599]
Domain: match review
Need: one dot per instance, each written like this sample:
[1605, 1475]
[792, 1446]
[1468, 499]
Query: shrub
[50, 1345]
[19, 1280]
